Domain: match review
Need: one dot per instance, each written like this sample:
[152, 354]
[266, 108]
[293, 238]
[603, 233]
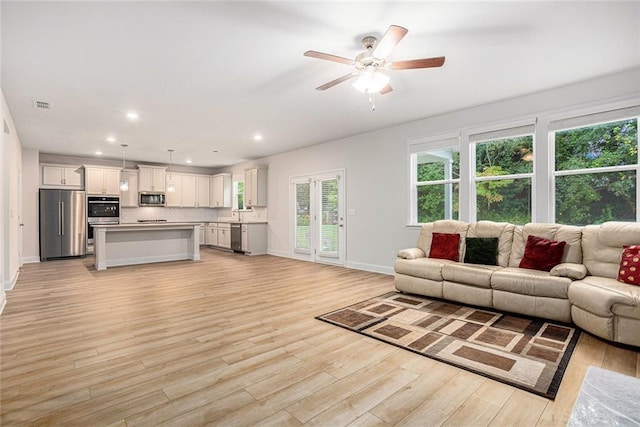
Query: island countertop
[142, 243]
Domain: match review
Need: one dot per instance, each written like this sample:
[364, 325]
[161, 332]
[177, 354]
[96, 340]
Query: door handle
[62, 219]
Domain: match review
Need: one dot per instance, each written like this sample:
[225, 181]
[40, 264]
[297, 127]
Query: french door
[318, 217]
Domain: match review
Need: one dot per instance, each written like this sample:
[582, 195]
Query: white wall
[30, 183]
[11, 199]
[377, 175]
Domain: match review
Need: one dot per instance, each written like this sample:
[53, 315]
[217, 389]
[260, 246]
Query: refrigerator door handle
[62, 218]
[59, 219]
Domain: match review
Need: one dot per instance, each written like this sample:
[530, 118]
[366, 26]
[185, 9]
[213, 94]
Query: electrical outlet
[394, 254]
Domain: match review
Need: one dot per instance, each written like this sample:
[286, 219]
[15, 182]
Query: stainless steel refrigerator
[63, 224]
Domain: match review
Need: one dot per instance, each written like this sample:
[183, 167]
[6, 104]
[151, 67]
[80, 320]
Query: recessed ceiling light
[111, 139]
[257, 137]
[132, 115]
[98, 153]
[188, 161]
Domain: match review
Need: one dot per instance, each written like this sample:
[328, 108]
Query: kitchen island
[129, 244]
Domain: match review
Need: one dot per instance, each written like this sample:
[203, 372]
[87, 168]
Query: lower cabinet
[211, 234]
[254, 239]
[224, 235]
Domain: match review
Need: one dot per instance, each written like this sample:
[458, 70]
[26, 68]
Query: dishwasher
[236, 237]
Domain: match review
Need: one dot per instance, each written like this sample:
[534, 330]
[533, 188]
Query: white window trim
[423, 145]
[594, 118]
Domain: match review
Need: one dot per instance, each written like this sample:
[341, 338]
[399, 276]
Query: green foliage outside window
[593, 198]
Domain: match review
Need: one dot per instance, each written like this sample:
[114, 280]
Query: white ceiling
[206, 76]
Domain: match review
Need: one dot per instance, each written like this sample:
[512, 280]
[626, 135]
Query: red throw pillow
[542, 254]
[630, 265]
[444, 246]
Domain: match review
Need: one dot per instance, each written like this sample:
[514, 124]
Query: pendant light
[124, 183]
[170, 185]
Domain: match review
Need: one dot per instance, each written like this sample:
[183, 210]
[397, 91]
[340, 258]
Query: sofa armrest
[570, 270]
[411, 253]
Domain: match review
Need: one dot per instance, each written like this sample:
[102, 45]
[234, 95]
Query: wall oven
[101, 210]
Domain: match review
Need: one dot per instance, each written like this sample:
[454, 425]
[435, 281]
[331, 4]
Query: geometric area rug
[525, 352]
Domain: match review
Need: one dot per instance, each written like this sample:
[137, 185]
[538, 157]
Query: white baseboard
[30, 259]
[279, 253]
[353, 265]
[370, 267]
[9, 284]
[3, 301]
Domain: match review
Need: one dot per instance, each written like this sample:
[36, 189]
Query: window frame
[428, 146]
[595, 119]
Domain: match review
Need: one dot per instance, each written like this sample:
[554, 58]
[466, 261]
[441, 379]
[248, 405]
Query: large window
[436, 177]
[503, 174]
[596, 172]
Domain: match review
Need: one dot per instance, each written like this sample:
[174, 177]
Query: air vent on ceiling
[41, 105]
[6, 127]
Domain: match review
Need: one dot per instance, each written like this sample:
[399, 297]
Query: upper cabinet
[202, 191]
[190, 191]
[151, 178]
[102, 180]
[129, 198]
[255, 187]
[220, 191]
[62, 176]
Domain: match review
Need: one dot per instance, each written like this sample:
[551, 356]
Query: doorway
[318, 225]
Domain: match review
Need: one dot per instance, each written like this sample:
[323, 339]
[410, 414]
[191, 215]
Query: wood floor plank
[233, 340]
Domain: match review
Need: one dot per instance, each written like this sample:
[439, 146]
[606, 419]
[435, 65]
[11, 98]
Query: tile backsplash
[128, 215]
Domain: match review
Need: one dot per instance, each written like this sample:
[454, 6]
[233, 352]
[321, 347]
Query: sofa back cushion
[442, 226]
[602, 246]
[502, 230]
[566, 233]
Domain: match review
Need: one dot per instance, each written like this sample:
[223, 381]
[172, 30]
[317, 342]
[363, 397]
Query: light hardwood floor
[232, 340]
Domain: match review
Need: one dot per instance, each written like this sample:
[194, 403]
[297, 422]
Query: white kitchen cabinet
[174, 198]
[129, 198]
[188, 191]
[211, 234]
[221, 188]
[202, 191]
[254, 239]
[224, 235]
[151, 178]
[255, 187]
[62, 176]
[102, 180]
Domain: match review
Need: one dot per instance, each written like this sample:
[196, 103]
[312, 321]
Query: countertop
[198, 222]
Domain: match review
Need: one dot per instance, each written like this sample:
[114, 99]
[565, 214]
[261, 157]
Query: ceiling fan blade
[389, 41]
[418, 63]
[332, 83]
[386, 89]
[329, 57]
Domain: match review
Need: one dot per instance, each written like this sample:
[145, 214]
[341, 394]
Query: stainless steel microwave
[151, 198]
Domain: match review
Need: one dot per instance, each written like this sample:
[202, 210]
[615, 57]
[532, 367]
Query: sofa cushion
[542, 254]
[502, 230]
[445, 246]
[530, 282]
[602, 246]
[570, 234]
[469, 274]
[481, 250]
[425, 268]
[598, 295]
[630, 265]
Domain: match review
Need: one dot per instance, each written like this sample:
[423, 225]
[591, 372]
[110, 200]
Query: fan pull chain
[372, 101]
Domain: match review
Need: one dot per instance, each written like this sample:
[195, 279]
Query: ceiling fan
[371, 65]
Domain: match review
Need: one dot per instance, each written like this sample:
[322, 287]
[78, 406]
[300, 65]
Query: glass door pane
[330, 218]
[302, 217]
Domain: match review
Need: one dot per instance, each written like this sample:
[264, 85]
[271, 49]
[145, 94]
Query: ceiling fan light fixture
[371, 81]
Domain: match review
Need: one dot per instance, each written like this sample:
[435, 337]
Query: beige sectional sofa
[582, 289]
